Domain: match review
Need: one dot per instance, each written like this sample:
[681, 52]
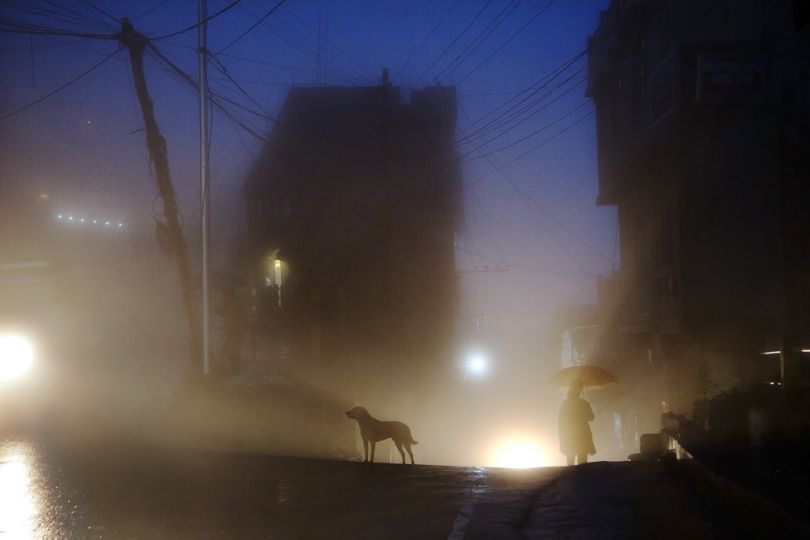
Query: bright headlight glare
[16, 356]
[520, 453]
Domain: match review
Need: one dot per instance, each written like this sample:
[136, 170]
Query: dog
[373, 431]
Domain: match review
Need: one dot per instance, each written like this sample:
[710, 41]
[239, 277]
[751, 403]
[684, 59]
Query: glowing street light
[16, 356]
[477, 365]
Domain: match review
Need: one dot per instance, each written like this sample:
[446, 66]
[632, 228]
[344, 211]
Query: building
[352, 210]
[703, 126]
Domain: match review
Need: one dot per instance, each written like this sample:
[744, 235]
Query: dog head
[358, 413]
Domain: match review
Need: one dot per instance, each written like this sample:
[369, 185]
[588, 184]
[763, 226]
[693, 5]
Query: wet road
[104, 491]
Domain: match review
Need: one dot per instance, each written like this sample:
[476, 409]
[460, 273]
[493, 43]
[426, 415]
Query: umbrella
[587, 376]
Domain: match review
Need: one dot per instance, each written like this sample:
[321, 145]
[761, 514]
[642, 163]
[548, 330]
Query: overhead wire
[534, 133]
[364, 71]
[57, 16]
[455, 40]
[253, 26]
[21, 27]
[426, 38]
[352, 75]
[536, 207]
[60, 88]
[532, 149]
[478, 40]
[101, 11]
[512, 121]
[538, 84]
[200, 23]
[507, 42]
[151, 10]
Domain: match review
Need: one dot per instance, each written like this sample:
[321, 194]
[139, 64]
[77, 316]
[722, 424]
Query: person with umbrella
[576, 440]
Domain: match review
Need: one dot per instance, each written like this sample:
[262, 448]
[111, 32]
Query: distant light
[106, 223]
[95, 221]
[70, 218]
[16, 356]
[806, 350]
[82, 220]
[769, 353]
[59, 216]
[521, 453]
[43, 195]
[120, 224]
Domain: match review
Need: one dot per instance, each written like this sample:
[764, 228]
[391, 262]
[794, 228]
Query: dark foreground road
[123, 492]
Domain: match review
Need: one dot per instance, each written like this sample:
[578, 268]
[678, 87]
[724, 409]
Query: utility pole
[202, 49]
[136, 43]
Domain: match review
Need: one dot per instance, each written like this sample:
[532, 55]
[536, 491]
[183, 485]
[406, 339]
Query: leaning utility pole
[136, 43]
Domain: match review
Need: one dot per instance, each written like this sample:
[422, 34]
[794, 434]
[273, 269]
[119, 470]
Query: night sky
[85, 147]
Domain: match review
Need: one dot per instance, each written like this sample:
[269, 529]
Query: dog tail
[413, 441]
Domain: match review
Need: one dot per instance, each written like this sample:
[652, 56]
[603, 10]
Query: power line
[60, 16]
[350, 73]
[254, 25]
[98, 9]
[519, 117]
[522, 139]
[478, 40]
[536, 206]
[452, 43]
[245, 58]
[530, 91]
[505, 43]
[533, 149]
[57, 90]
[364, 71]
[200, 23]
[151, 10]
[222, 69]
[21, 27]
[430, 34]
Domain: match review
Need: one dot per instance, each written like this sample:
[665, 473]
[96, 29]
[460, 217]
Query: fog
[520, 255]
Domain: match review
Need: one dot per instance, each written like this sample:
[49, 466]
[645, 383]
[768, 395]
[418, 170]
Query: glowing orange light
[521, 453]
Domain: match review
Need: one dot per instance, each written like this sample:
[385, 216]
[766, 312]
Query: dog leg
[401, 453]
[408, 448]
[365, 450]
[373, 447]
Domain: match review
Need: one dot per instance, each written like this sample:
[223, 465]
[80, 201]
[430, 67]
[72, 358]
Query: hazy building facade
[352, 211]
[703, 126]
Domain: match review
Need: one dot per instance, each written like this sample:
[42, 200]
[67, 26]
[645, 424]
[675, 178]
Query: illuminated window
[274, 274]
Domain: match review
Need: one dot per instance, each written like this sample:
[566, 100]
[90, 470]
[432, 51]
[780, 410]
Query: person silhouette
[576, 441]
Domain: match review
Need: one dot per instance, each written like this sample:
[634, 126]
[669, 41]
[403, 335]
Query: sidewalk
[613, 500]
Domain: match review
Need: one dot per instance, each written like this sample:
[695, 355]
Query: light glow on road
[521, 453]
[19, 504]
[16, 356]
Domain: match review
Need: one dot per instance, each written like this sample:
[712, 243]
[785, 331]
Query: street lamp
[16, 356]
[476, 365]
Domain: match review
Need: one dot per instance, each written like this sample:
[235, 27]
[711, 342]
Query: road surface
[109, 491]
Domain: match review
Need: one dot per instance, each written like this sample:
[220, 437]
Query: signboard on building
[730, 79]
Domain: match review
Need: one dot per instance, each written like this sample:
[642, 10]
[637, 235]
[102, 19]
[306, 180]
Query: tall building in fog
[352, 210]
[703, 125]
